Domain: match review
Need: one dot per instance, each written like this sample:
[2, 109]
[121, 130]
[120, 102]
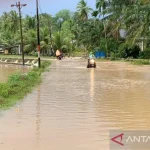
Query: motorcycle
[91, 63]
[59, 57]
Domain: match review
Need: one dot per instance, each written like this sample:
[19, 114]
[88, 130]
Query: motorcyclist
[61, 53]
[57, 54]
[91, 55]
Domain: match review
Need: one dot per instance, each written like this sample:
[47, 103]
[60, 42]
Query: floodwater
[75, 108]
[6, 70]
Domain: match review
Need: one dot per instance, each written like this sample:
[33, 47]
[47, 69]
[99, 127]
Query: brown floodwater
[75, 107]
[6, 70]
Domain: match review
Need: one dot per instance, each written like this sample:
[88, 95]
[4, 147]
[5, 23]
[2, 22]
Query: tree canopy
[83, 30]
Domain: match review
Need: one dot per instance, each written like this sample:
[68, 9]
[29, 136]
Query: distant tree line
[121, 28]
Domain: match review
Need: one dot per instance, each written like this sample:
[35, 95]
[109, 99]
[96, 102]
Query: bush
[122, 51]
[145, 54]
[126, 51]
[112, 56]
[33, 53]
[4, 90]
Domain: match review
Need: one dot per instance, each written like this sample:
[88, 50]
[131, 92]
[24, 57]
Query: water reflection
[38, 114]
[92, 80]
[6, 70]
[19, 114]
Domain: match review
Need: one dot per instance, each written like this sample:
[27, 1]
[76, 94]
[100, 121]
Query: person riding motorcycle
[91, 61]
[58, 54]
[91, 55]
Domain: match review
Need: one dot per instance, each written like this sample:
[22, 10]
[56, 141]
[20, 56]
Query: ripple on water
[74, 108]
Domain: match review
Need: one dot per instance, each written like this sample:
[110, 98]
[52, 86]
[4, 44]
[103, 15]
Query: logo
[118, 139]
[127, 139]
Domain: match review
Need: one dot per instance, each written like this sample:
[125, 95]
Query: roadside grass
[141, 62]
[77, 54]
[109, 59]
[26, 57]
[19, 85]
[132, 61]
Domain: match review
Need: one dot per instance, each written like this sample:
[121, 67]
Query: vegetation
[118, 27]
[141, 62]
[19, 85]
[20, 57]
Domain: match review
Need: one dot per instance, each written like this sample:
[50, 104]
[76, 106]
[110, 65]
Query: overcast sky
[49, 6]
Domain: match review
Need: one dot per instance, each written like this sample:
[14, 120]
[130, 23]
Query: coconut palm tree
[101, 6]
[59, 40]
[29, 22]
[137, 21]
[30, 41]
[14, 21]
[83, 10]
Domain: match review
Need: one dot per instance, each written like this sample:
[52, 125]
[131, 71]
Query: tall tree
[83, 10]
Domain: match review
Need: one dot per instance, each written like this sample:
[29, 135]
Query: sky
[48, 6]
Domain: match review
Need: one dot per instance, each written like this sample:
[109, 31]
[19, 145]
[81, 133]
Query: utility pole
[51, 41]
[50, 31]
[38, 34]
[19, 6]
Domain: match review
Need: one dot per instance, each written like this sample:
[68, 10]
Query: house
[2, 47]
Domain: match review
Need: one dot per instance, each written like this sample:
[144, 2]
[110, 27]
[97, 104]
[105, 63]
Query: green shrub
[145, 54]
[14, 79]
[33, 53]
[126, 51]
[112, 56]
[4, 90]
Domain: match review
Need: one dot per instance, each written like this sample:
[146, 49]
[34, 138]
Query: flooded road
[6, 70]
[74, 108]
